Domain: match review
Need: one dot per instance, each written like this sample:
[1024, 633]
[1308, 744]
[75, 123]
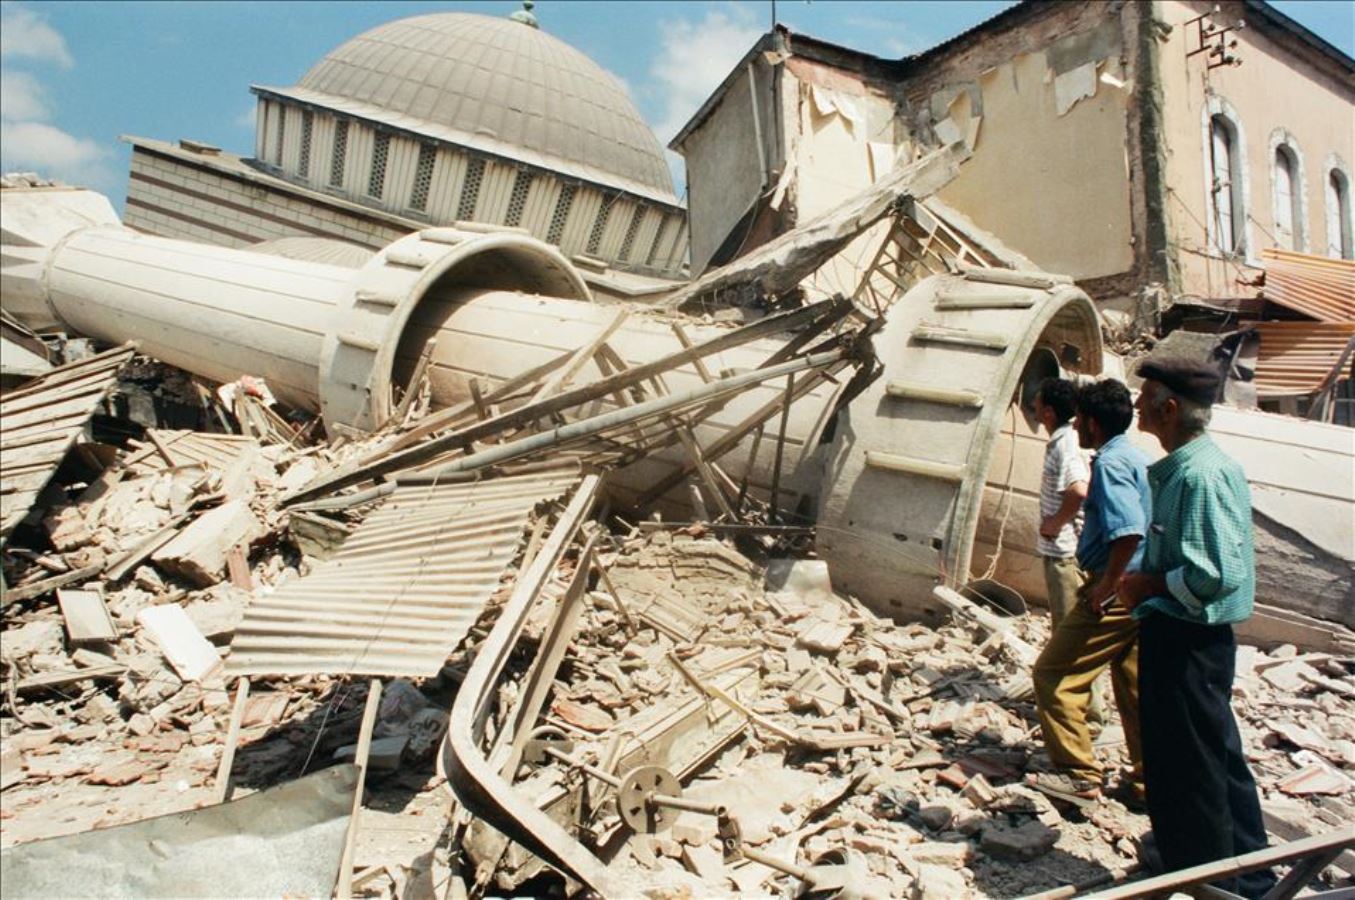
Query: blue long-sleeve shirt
[1119, 503]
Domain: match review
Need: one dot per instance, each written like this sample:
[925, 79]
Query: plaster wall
[1053, 168]
[1276, 89]
[846, 135]
[724, 171]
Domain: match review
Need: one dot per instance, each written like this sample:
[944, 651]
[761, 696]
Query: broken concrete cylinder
[324, 336]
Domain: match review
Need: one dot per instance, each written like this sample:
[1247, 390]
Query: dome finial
[524, 15]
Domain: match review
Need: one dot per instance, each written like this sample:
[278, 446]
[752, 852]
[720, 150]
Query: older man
[1197, 579]
[1097, 633]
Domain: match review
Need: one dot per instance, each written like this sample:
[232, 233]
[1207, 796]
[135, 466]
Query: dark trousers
[1201, 796]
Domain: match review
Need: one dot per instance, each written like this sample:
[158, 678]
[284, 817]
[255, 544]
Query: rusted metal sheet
[1295, 357]
[404, 588]
[1317, 286]
[42, 420]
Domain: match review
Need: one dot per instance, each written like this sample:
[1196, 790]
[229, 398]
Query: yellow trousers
[1082, 646]
[1063, 578]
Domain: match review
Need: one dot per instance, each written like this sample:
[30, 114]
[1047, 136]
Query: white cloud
[28, 141]
[248, 119]
[22, 98]
[693, 58]
[53, 153]
[24, 33]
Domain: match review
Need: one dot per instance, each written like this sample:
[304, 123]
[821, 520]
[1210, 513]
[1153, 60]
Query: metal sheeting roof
[405, 587]
[503, 87]
[40, 422]
[1317, 286]
[1294, 357]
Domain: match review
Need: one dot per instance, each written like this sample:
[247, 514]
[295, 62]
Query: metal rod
[779, 865]
[597, 424]
[588, 768]
[774, 513]
[696, 806]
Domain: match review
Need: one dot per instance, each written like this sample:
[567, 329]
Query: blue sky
[75, 75]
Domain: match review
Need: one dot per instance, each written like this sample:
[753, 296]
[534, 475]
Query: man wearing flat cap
[1197, 579]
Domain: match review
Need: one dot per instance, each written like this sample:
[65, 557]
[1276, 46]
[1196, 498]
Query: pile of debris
[671, 709]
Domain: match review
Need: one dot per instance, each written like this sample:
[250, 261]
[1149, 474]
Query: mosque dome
[499, 85]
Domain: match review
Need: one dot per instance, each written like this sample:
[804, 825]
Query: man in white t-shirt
[1063, 488]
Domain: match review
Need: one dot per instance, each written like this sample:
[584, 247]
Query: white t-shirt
[1065, 464]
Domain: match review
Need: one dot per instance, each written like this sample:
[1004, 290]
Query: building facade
[1108, 142]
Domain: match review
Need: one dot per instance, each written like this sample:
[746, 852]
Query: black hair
[1108, 404]
[1060, 395]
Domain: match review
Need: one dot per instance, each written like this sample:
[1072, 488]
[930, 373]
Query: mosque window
[303, 166]
[632, 229]
[340, 157]
[517, 201]
[658, 240]
[423, 177]
[561, 214]
[600, 224]
[380, 152]
[282, 130]
[470, 191]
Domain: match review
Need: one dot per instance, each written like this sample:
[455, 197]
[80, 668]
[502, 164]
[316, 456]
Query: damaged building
[424, 503]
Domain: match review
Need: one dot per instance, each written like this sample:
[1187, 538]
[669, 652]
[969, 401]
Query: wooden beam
[344, 889]
[223, 771]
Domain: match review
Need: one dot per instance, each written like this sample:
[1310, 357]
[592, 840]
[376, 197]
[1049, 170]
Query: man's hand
[1050, 528]
[1097, 594]
[1136, 587]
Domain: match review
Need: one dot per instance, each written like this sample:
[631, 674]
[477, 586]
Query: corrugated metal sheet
[40, 421]
[404, 589]
[1294, 357]
[187, 448]
[1317, 286]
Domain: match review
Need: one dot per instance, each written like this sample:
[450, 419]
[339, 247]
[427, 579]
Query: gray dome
[499, 85]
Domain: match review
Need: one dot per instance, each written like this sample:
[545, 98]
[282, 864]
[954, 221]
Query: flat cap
[1197, 381]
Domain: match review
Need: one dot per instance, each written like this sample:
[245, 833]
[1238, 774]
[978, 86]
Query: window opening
[631, 230]
[517, 201]
[282, 128]
[1289, 214]
[470, 191]
[1339, 238]
[658, 240]
[340, 157]
[600, 225]
[1226, 190]
[380, 151]
[561, 214]
[303, 166]
[423, 177]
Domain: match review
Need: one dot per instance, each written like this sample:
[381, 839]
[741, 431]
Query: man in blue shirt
[1098, 633]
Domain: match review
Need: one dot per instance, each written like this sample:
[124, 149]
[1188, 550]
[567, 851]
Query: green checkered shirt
[1201, 536]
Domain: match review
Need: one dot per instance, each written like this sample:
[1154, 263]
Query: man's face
[1043, 414]
[1150, 418]
[1087, 433]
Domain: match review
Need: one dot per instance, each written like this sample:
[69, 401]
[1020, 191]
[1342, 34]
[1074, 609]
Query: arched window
[1339, 238]
[1286, 198]
[1227, 204]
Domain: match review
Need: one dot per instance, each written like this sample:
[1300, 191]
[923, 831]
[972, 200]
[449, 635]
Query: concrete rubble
[893, 755]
